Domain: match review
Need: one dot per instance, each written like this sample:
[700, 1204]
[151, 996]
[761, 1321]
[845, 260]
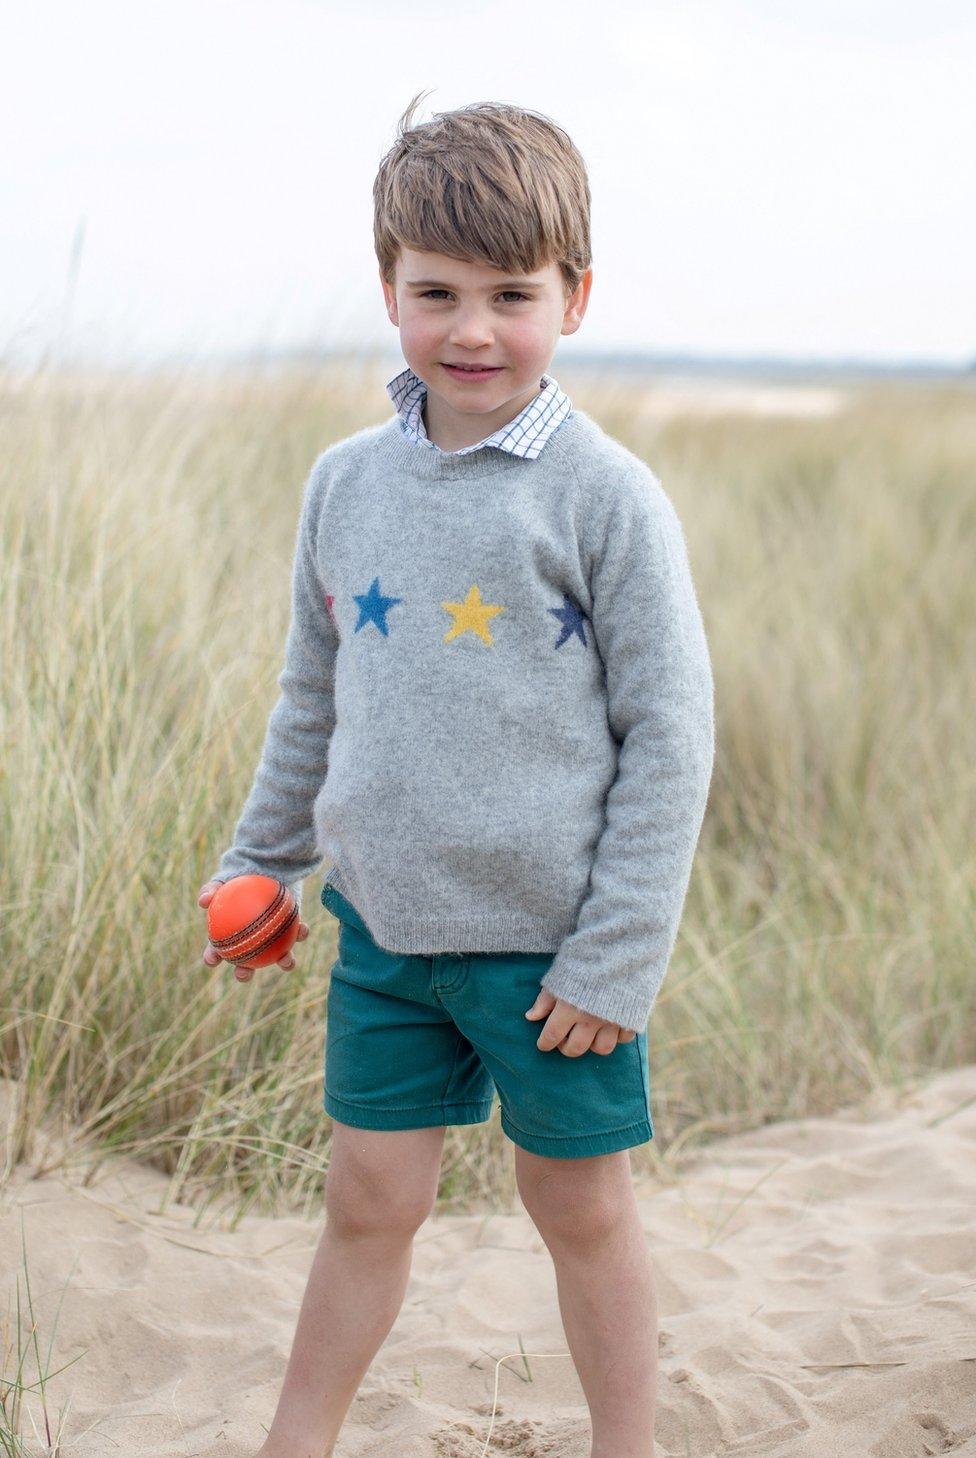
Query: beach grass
[146, 531]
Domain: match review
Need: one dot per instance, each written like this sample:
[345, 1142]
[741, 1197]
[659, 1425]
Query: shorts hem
[422, 1116]
[578, 1146]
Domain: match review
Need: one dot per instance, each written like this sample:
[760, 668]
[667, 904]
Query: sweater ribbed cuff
[629, 1009]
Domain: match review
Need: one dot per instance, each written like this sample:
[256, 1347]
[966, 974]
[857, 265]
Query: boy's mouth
[473, 372]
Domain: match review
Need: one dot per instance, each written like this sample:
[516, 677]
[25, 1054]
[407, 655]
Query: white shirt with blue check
[524, 436]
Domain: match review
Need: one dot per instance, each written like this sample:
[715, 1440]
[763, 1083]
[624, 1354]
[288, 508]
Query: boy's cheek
[421, 334]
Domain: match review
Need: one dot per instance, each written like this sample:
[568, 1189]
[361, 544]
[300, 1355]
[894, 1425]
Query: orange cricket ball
[253, 919]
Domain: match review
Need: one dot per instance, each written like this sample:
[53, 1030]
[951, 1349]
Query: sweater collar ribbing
[410, 459]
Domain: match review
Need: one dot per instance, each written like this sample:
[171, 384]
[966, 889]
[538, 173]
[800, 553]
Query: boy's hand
[211, 956]
[573, 1031]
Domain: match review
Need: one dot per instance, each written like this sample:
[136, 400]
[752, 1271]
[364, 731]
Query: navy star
[571, 618]
[373, 607]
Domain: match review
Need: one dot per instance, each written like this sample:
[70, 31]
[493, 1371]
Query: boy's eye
[506, 293]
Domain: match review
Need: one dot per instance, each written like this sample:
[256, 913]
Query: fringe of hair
[489, 182]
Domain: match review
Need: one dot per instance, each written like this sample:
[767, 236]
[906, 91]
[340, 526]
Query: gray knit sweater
[496, 710]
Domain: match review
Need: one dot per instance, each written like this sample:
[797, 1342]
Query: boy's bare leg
[586, 1212]
[379, 1190]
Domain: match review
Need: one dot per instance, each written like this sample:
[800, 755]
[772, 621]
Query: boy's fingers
[605, 1041]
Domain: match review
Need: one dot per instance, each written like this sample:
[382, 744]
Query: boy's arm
[649, 631]
[275, 835]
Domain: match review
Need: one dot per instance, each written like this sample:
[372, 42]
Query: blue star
[373, 607]
[571, 618]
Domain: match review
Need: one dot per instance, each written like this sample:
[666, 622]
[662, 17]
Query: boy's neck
[452, 431]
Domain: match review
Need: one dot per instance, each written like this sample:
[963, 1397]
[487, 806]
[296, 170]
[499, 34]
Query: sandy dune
[816, 1286]
[663, 398]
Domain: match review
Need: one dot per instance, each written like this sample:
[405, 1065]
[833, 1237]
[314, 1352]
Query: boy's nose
[471, 333]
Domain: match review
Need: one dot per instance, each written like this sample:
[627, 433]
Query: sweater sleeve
[275, 835]
[648, 629]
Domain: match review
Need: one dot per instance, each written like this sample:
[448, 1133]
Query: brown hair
[488, 182]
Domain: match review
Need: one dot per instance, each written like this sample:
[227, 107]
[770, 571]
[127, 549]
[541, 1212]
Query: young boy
[496, 719]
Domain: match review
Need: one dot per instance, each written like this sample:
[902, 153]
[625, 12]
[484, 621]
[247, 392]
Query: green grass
[826, 947]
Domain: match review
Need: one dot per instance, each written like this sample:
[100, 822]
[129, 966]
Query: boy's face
[451, 312]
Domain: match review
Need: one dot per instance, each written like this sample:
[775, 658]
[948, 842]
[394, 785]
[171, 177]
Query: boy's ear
[389, 296]
[576, 303]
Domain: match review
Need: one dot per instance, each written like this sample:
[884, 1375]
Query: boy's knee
[368, 1202]
[581, 1224]
[569, 1206]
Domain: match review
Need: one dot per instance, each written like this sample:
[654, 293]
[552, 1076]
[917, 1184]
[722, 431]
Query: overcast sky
[767, 176]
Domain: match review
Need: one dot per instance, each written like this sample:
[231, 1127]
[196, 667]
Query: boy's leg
[380, 1188]
[586, 1213]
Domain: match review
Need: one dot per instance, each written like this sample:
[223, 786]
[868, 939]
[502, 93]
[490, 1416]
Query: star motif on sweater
[571, 617]
[373, 607]
[471, 616]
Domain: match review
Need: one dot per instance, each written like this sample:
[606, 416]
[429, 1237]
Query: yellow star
[472, 616]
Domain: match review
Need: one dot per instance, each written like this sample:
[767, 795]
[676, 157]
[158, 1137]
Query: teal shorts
[413, 1041]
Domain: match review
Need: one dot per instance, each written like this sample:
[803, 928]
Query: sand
[816, 1288]
[661, 399]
